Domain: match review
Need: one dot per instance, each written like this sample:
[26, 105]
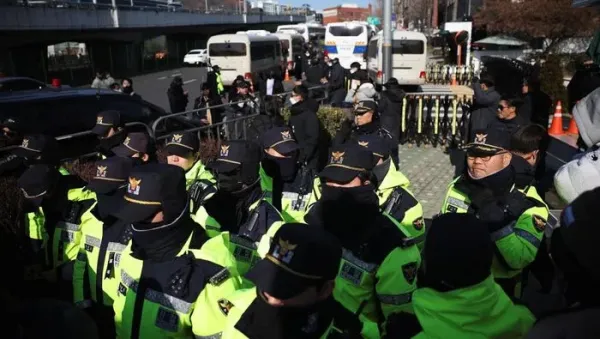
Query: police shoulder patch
[410, 272]
[419, 223]
[220, 277]
[225, 305]
[538, 222]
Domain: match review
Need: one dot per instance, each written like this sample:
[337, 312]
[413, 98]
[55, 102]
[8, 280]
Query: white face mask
[330, 64]
[353, 70]
[307, 54]
[293, 101]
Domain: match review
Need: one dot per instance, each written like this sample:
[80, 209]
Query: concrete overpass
[119, 38]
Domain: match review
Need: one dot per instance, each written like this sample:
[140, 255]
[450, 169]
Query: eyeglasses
[484, 158]
[500, 107]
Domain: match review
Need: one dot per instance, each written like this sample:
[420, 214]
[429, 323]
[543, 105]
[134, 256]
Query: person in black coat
[336, 82]
[305, 125]
[390, 107]
[507, 117]
[314, 75]
[178, 97]
[271, 83]
[537, 105]
[208, 99]
[233, 91]
[485, 104]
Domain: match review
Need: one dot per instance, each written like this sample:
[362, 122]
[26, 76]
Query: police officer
[240, 205]
[457, 262]
[138, 146]
[110, 132]
[366, 121]
[103, 238]
[292, 182]
[380, 260]
[54, 209]
[515, 217]
[395, 198]
[183, 150]
[293, 293]
[171, 274]
[40, 149]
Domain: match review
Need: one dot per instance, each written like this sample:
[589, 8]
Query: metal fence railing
[445, 74]
[435, 119]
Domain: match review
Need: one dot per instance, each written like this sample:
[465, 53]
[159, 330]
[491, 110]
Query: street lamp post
[387, 39]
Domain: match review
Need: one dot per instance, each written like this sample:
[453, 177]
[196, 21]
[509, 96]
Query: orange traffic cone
[573, 127]
[287, 75]
[453, 79]
[557, 125]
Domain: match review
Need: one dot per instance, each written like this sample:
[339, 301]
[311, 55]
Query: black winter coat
[177, 99]
[390, 110]
[305, 124]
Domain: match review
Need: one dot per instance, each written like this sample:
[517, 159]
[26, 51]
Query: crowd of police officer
[254, 245]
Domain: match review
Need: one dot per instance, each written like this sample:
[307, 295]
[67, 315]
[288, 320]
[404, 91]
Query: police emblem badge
[410, 272]
[134, 186]
[224, 150]
[480, 138]
[337, 157]
[538, 222]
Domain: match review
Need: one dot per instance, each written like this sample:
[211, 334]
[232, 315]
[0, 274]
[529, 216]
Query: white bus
[409, 57]
[244, 54]
[310, 32]
[347, 41]
[292, 46]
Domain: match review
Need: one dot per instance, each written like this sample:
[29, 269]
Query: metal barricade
[439, 74]
[434, 119]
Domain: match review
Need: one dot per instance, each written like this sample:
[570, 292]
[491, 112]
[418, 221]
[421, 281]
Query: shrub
[551, 79]
[330, 117]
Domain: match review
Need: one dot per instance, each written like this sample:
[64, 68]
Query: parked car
[62, 113]
[197, 57]
[12, 84]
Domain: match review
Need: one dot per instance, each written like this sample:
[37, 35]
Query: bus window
[285, 46]
[372, 52]
[227, 49]
[408, 47]
[297, 46]
[263, 50]
[345, 31]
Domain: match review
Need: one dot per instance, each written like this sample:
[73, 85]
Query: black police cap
[152, 188]
[136, 142]
[36, 182]
[489, 141]
[281, 139]
[231, 156]
[105, 121]
[300, 256]
[365, 107]
[182, 144]
[346, 162]
[38, 145]
[111, 174]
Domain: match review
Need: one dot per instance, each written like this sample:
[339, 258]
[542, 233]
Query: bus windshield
[408, 47]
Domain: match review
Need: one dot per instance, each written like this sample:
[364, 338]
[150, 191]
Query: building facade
[346, 13]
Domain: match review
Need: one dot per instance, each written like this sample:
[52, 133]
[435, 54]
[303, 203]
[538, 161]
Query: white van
[244, 54]
[409, 57]
[292, 46]
[309, 31]
[347, 41]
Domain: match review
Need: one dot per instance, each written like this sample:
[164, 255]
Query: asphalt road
[153, 87]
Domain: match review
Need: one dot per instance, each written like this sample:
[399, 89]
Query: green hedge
[330, 117]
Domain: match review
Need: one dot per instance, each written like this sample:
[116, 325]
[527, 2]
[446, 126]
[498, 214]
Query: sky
[321, 4]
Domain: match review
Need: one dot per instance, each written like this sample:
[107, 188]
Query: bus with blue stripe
[347, 41]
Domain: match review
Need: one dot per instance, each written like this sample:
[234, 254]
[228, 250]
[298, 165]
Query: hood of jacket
[365, 92]
[587, 117]
[578, 176]
[477, 312]
[393, 93]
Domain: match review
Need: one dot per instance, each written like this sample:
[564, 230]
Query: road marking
[162, 78]
[189, 81]
[175, 75]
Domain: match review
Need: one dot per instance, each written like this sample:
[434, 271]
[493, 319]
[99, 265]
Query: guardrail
[435, 119]
[447, 74]
[141, 5]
